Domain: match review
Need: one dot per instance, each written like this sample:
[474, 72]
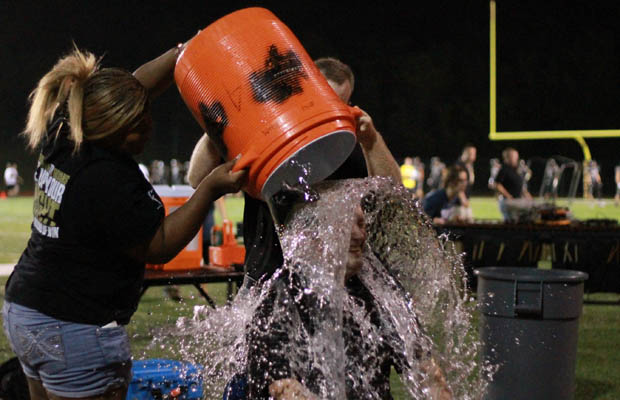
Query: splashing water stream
[415, 279]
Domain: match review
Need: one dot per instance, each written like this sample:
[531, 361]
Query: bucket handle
[528, 309]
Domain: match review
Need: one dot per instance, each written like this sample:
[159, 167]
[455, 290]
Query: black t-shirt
[271, 342]
[90, 207]
[263, 252]
[511, 180]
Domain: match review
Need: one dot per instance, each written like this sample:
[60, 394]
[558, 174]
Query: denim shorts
[70, 359]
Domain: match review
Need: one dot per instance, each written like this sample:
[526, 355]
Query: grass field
[598, 354]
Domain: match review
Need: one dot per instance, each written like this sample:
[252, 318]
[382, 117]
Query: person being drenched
[281, 363]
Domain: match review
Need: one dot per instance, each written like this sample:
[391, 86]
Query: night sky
[422, 72]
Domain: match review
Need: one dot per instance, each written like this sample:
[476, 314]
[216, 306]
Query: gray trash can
[528, 328]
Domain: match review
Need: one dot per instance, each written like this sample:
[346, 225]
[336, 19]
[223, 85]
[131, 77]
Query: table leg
[205, 295]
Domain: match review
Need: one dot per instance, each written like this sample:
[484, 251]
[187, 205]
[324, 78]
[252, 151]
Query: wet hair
[335, 70]
[452, 175]
[101, 103]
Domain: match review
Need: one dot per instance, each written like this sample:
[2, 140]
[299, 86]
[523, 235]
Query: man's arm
[204, 159]
[379, 159]
[502, 190]
[157, 74]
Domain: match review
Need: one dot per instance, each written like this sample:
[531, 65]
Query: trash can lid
[527, 274]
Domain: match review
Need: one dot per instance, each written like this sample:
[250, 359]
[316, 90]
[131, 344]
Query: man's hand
[290, 389]
[366, 131]
[379, 159]
[439, 389]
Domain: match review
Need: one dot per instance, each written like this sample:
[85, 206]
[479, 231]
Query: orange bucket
[255, 91]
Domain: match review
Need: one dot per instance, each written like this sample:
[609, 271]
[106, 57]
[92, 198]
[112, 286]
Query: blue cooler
[157, 379]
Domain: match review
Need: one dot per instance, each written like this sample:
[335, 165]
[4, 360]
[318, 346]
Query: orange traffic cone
[2, 195]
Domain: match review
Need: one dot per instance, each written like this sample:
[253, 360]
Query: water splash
[299, 191]
[416, 282]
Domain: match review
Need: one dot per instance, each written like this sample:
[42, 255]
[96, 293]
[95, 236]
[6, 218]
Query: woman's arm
[178, 228]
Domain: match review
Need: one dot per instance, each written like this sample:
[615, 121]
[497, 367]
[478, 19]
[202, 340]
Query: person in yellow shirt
[409, 174]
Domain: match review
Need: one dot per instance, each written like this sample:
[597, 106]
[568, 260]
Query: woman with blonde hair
[97, 221]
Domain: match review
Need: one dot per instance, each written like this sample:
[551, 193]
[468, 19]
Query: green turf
[598, 357]
[15, 219]
[581, 209]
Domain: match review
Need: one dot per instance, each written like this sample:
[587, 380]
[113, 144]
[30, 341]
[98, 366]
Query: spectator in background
[419, 183]
[12, 180]
[175, 172]
[495, 166]
[443, 204]
[508, 183]
[467, 160]
[409, 175]
[158, 170]
[596, 184]
[551, 178]
[436, 174]
[525, 172]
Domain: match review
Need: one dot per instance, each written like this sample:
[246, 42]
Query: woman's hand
[223, 180]
[290, 389]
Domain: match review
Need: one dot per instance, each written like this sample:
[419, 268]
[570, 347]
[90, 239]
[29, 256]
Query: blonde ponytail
[65, 81]
[103, 104]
